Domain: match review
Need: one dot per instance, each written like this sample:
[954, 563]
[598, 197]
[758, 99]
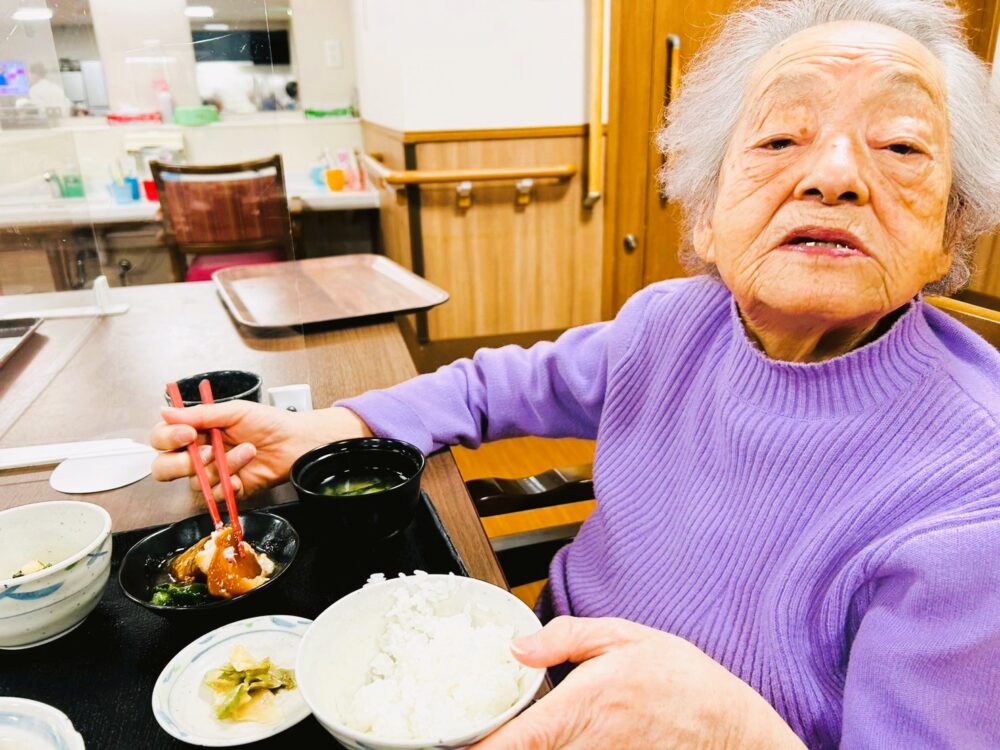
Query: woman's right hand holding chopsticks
[262, 442]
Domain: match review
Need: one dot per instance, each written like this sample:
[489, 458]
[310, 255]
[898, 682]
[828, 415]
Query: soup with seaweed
[354, 482]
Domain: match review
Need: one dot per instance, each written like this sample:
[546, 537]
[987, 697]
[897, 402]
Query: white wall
[468, 64]
[317, 23]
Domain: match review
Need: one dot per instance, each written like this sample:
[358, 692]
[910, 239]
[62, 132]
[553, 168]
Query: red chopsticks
[222, 464]
[199, 467]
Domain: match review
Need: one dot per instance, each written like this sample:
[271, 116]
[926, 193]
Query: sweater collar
[861, 379]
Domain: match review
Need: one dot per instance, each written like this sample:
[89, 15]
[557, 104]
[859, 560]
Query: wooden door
[642, 232]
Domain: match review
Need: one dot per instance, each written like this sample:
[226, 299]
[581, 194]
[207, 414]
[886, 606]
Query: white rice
[438, 673]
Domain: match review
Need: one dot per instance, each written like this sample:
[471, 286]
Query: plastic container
[131, 118]
[121, 192]
[133, 186]
[335, 179]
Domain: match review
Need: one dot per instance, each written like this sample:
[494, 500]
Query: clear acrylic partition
[91, 92]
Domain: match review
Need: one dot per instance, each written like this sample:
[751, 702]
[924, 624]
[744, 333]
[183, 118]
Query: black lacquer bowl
[227, 385]
[366, 517]
[143, 563]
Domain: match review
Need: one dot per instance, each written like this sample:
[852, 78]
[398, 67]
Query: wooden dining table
[97, 378]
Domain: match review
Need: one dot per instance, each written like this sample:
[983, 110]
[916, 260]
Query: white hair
[700, 122]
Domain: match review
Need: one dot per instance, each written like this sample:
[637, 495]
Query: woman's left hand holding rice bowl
[607, 697]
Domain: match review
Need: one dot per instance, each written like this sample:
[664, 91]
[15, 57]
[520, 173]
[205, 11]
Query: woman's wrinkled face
[834, 189]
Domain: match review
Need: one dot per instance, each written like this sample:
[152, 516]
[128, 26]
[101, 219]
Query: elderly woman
[798, 460]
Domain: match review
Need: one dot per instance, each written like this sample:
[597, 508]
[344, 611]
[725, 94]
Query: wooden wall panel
[510, 269]
[392, 213]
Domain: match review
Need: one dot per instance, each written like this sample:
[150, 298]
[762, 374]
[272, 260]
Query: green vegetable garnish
[180, 595]
[361, 485]
[30, 567]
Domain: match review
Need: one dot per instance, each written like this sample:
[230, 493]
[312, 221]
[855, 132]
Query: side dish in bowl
[55, 560]
[192, 567]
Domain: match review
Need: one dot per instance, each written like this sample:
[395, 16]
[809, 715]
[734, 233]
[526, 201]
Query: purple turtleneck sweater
[828, 532]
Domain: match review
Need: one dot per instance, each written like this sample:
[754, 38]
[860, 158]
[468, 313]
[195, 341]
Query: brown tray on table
[321, 290]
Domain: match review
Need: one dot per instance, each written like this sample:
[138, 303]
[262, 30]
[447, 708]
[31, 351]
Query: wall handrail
[397, 179]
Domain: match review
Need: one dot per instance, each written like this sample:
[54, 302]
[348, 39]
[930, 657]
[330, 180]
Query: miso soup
[351, 482]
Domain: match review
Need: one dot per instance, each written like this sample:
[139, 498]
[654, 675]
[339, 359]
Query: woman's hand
[636, 687]
[262, 442]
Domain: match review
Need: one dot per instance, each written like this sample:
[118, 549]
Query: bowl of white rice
[416, 662]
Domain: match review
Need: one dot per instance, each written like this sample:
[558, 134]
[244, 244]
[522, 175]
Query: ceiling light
[199, 11]
[216, 27]
[32, 14]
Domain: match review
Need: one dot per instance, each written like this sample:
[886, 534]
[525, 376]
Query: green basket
[200, 115]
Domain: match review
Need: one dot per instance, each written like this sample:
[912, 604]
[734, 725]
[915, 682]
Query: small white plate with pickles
[202, 682]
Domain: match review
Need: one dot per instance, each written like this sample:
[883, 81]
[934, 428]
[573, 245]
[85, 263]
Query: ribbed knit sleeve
[924, 668]
[553, 389]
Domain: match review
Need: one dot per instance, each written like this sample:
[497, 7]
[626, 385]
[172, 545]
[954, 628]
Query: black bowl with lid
[370, 487]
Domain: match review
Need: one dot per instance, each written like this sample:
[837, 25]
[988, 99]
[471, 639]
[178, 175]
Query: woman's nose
[835, 175]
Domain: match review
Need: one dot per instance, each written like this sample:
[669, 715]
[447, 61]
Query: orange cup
[335, 179]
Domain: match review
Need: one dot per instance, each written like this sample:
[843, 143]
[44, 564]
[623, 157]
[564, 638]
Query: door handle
[671, 84]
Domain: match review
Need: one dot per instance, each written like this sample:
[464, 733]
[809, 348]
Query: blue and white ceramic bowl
[74, 539]
[30, 725]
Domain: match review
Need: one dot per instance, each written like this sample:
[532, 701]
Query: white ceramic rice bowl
[337, 651]
[75, 538]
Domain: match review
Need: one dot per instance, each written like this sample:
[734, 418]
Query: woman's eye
[778, 144]
[904, 149]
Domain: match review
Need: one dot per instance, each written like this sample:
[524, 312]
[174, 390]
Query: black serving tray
[102, 674]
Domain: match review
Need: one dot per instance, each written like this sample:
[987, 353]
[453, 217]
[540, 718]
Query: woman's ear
[703, 237]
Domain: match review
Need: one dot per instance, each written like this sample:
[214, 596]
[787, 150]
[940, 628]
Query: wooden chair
[525, 556]
[236, 210]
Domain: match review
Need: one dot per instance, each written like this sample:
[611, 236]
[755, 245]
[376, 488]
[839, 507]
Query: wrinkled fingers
[172, 437]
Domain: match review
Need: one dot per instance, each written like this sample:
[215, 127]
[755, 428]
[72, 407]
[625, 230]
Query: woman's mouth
[827, 241]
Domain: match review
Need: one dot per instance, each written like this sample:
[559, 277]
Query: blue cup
[121, 192]
[133, 183]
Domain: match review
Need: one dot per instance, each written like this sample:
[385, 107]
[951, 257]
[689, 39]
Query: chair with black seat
[225, 215]
[525, 556]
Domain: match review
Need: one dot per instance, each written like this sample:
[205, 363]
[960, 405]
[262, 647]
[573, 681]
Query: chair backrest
[983, 320]
[225, 208]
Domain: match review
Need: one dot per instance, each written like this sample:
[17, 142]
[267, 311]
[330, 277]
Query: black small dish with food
[142, 568]
[370, 487]
[227, 385]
